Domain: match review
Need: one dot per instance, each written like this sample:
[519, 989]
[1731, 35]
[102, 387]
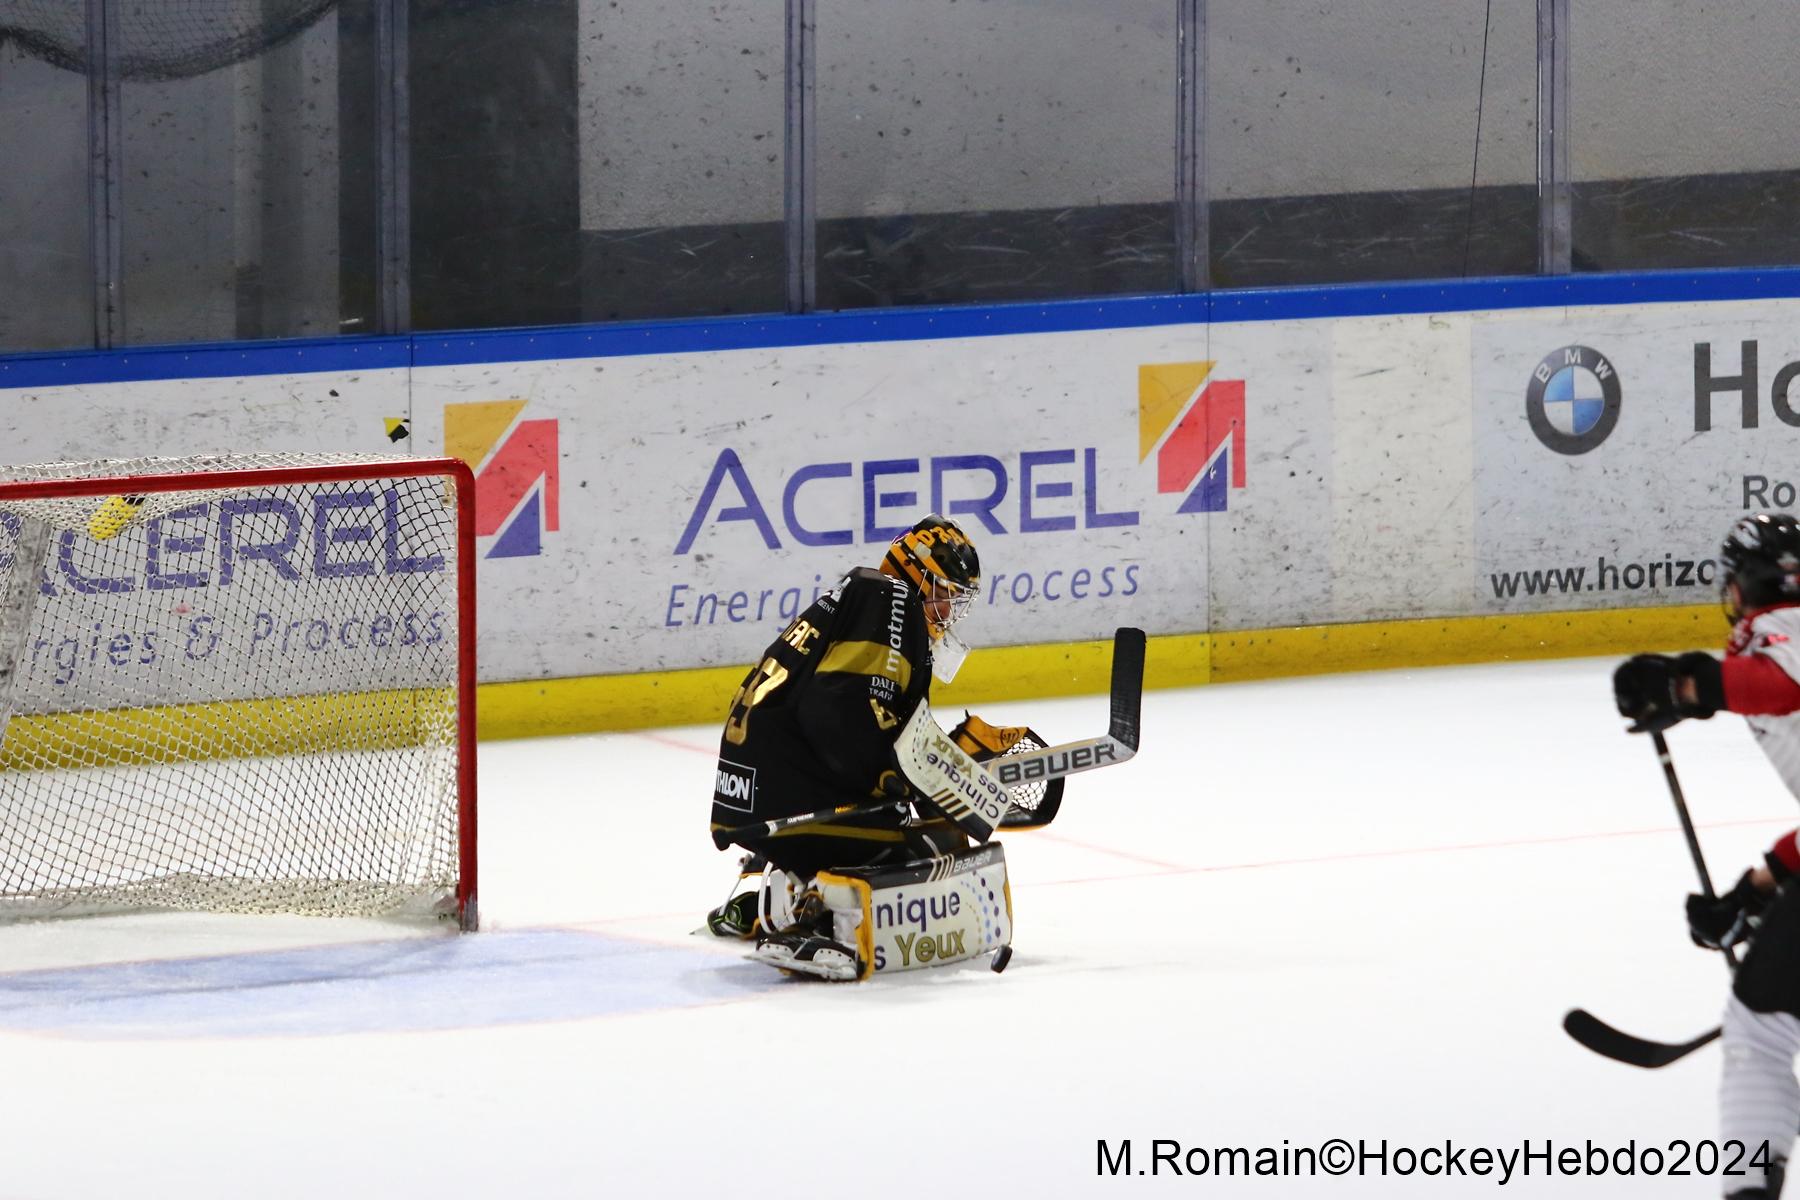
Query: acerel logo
[1196, 430]
[517, 494]
[1572, 400]
[1193, 425]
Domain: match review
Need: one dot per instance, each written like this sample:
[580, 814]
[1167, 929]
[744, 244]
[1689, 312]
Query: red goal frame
[467, 911]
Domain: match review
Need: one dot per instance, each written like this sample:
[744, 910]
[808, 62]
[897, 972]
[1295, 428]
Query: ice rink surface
[1348, 907]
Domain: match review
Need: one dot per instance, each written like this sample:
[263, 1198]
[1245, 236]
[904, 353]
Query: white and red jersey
[1761, 677]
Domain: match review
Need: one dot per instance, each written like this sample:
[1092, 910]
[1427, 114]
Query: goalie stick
[1616, 1044]
[1120, 741]
[1050, 763]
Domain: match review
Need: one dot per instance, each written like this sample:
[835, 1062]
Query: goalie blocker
[948, 778]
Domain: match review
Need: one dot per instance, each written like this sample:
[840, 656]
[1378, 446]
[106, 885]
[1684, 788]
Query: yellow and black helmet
[939, 559]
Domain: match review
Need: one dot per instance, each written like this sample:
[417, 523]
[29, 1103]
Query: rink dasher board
[1389, 471]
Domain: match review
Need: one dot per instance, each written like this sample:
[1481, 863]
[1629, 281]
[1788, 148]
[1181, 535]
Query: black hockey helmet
[938, 558]
[1760, 564]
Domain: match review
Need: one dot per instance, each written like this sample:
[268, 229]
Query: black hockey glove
[1648, 689]
[1720, 922]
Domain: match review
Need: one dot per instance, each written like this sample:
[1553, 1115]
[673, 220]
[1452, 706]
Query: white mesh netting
[167, 39]
[229, 698]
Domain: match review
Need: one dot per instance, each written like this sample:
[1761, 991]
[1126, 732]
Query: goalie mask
[1760, 564]
[940, 561]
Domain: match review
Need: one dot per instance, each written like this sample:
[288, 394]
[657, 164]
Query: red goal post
[238, 683]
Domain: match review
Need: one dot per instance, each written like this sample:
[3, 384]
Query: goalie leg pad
[922, 914]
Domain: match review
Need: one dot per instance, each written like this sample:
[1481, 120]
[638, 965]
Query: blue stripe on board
[223, 360]
[1369, 300]
[817, 329]
[237, 359]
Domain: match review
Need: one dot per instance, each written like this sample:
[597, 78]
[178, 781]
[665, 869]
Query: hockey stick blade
[1120, 741]
[1623, 1047]
[1127, 687]
[1615, 1044]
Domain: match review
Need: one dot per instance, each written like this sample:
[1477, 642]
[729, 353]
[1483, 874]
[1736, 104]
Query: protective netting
[78, 512]
[159, 39]
[229, 698]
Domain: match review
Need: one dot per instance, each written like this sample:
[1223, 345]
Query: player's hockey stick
[1051, 762]
[1615, 1044]
[1687, 831]
[1619, 1046]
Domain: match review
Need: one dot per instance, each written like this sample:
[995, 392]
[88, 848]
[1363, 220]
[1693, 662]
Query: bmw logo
[1573, 400]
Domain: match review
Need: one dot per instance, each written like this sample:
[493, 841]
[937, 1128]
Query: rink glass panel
[1682, 147]
[994, 151]
[245, 700]
[1341, 141]
[681, 158]
[46, 268]
[595, 160]
[494, 208]
[550, 162]
[235, 190]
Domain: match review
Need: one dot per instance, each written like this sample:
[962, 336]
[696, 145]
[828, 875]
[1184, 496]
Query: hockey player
[1759, 677]
[815, 726]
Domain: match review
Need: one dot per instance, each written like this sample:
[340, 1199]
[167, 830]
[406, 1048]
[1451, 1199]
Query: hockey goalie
[866, 825]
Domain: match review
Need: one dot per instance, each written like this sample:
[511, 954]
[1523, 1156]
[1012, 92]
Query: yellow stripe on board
[594, 703]
[1447, 641]
[171, 733]
[393, 719]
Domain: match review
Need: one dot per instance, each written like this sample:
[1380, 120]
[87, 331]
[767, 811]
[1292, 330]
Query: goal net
[237, 683]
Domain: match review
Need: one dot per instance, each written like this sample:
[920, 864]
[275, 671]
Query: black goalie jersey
[813, 725]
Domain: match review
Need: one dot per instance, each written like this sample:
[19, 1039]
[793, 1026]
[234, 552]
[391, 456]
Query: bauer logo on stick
[1062, 762]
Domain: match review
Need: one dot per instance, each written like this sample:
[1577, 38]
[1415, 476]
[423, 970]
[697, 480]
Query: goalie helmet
[1760, 564]
[939, 559]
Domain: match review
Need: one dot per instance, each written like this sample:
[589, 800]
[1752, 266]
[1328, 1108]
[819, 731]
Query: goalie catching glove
[1034, 804]
[981, 741]
[950, 778]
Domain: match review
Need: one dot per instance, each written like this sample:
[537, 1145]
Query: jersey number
[768, 676]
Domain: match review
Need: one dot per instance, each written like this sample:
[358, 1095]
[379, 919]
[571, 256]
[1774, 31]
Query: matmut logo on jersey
[1195, 427]
[517, 491]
